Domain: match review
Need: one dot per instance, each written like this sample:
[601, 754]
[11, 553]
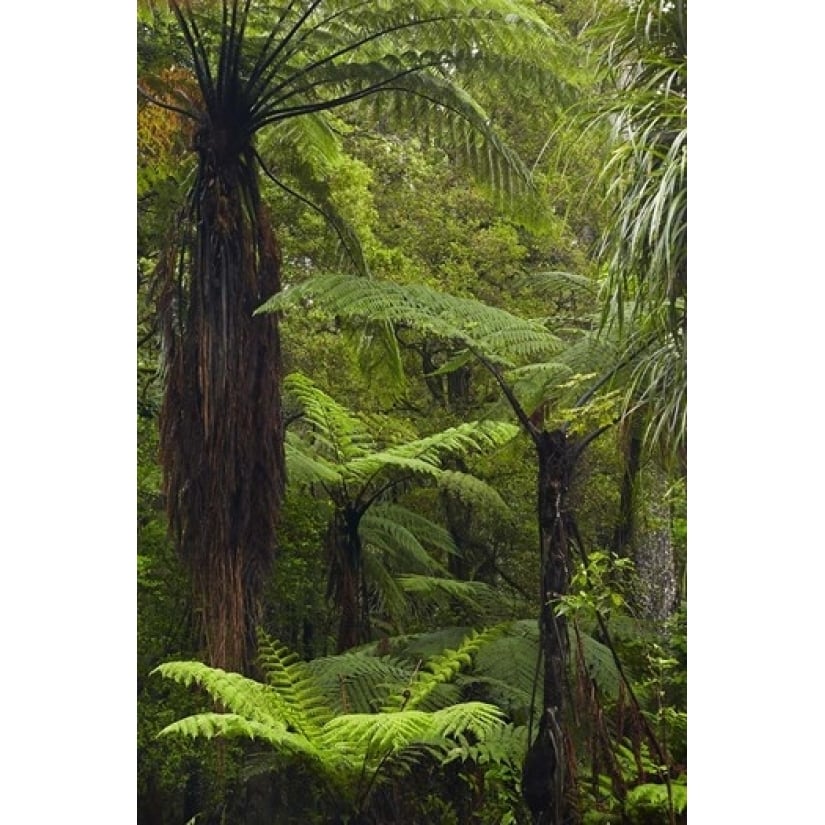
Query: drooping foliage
[377, 550]
[257, 66]
[644, 245]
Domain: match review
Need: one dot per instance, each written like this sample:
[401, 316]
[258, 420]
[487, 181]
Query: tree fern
[501, 337]
[363, 465]
[347, 751]
[249, 69]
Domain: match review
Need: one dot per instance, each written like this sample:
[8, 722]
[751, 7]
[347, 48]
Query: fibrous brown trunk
[220, 430]
[346, 585]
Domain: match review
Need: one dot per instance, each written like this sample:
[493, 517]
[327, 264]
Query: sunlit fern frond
[336, 433]
[241, 695]
[289, 676]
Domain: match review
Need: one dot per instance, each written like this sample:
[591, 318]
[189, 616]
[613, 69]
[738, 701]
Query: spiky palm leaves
[371, 540]
[644, 246]
[259, 65]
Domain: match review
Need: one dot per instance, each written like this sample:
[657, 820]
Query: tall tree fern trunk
[221, 433]
[546, 780]
[346, 579]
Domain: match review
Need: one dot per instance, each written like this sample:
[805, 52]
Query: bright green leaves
[346, 750]
[496, 334]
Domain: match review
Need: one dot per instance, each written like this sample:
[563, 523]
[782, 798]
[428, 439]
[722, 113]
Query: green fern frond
[309, 150]
[357, 681]
[304, 466]
[337, 432]
[442, 668]
[502, 744]
[478, 718]
[303, 706]
[474, 491]
[398, 547]
[426, 531]
[378, 733]
[424, 455]
[503, 338]
[435, 591]
[241, 695]
[226, 725]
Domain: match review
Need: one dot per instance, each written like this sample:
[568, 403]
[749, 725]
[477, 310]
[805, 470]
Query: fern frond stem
[345, 50]
[227, 36]
[235, 61]
[168, 106]
[515, 585]
[273, 116]
[388, 486]
[522, 416]
[309, 203]
[608, 376]
[407, 693]
[533, 695]
[265, 60]
[585, 443]
[194, 41]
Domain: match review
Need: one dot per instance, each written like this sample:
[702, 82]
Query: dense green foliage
[440, 234]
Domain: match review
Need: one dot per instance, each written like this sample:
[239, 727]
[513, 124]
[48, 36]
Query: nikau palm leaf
[258, 66]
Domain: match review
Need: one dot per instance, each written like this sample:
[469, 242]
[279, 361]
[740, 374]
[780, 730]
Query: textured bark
[655, 560]
[545, 779]
[346, 585]
[220, 424]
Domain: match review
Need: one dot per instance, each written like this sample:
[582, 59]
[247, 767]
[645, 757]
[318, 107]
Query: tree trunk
[545, 779]
[346, 579]
[220, 426]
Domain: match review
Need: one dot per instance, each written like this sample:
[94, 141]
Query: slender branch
[312, 205]
[325, 105]
[608, 640]
[522, 416]
[365, 505]
[168, 106]
[607, 377]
